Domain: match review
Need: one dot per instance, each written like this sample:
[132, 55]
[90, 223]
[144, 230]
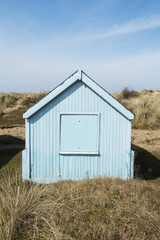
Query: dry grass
[145, 105]
[13, 105]
[101, 208]
[127, 93]
[6, 100]
[15, 100]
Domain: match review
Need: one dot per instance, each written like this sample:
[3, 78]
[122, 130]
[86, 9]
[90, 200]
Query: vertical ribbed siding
[48, 164]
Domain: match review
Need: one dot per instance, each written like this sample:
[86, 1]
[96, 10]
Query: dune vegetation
[13, 105]
[144, 104]
[100, 208]
[92, 209]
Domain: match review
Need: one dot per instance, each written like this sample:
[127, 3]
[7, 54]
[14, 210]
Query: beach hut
[77, 131]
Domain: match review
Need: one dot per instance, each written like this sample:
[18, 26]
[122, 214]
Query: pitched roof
[79, 75]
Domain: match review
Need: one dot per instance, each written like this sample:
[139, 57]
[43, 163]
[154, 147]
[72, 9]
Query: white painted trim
[98, 132]
[79, 153]
[79, 113]
[67, 83]
[80, 75]
[107, 97]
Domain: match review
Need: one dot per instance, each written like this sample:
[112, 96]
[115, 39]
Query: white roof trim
[80, 75]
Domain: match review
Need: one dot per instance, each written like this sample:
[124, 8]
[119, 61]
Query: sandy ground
[147, 139]
[16, 131]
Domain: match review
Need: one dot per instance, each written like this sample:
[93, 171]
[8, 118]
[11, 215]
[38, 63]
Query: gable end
[81, 76]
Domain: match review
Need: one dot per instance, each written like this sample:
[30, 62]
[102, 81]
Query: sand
[16, 131]
[147, 139]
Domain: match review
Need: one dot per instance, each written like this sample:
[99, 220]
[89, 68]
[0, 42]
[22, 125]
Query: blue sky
[116, 42]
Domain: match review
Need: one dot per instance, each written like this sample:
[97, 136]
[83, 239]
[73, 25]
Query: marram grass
[144, 104]
[101, 208]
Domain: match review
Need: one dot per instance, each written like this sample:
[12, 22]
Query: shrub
[126, 93]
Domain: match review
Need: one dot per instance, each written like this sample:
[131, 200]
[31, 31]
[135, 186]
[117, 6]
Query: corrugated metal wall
[48, 165]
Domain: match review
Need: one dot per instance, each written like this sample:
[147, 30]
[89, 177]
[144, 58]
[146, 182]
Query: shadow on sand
[146, 166]
[9, 147]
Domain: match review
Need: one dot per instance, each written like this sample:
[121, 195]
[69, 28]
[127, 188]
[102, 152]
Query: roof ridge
[80, 75]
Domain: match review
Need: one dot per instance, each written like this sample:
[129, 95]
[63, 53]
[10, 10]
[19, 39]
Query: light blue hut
[78, 130]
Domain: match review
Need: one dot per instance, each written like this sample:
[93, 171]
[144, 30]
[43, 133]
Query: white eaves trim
[107, 97]
[59, 89]
[80, 75]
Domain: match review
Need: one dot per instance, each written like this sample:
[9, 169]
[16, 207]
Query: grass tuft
[101, 208]
[145, 106]
[13, 105]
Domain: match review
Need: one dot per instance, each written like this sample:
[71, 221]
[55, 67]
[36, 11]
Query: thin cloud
[132, 26]
[24, 73]
[30, 24]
